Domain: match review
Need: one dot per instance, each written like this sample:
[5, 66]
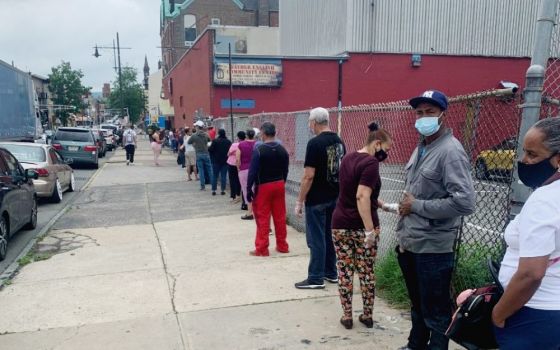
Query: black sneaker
[306, 285]
[213, 193]
[331, 280]
[244, 207]
[223, 193]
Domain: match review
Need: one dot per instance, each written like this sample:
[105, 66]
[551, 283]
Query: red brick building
[182, 21]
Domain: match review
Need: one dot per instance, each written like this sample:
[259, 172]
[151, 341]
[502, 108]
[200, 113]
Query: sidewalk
[144, 260]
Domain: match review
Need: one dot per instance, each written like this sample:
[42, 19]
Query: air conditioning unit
[215, 21]
[189, 44]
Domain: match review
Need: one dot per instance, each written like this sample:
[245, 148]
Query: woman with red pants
[355, 224]
[269, 172]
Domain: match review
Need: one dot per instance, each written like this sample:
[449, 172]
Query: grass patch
[390, 281]
[471, 272]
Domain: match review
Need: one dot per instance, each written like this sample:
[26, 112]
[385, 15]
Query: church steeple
[146, 72]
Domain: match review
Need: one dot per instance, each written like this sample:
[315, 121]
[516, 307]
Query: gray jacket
[200, 140]
[441, 182]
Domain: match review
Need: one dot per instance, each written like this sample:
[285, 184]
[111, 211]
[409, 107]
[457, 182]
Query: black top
[218, 150]
[269, 163]
[324, 153]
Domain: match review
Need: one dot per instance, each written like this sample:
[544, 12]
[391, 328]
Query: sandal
[367, 321]
[348, 323]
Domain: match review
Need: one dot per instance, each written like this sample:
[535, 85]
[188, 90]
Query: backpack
[129, 137]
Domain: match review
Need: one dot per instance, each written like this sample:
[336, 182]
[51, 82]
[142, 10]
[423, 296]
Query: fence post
[533, 92]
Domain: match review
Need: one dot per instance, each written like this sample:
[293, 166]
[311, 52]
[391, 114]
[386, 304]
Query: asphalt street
[48, 210]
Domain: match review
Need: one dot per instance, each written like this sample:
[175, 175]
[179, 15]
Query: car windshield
[73, 135]
[25, 153]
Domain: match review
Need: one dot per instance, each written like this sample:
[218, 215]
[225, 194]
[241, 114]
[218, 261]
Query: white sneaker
[127, 162]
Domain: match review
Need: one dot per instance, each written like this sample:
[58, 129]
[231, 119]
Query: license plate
[73, 148]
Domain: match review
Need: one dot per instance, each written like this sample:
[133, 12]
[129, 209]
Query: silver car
[55, 175]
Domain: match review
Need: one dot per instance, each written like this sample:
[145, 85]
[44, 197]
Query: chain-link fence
[487, 125]
[551, 90]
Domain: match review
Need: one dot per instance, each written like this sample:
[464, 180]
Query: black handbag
[472, 325]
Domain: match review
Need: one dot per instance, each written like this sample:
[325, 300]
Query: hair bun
[373, 126]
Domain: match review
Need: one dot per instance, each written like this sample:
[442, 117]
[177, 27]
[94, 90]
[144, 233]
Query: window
[181, 101]
[171, 86]
[215, 21]
[11, 162]
[53, 156]
[26, 153]
[74, 135]
[190, 30]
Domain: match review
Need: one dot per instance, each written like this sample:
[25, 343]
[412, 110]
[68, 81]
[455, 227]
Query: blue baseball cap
[434, 97]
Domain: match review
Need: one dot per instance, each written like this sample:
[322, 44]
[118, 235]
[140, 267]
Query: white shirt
[536, 232]
[188, 148]
[128, 132]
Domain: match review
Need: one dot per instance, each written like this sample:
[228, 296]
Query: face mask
[427, 126]
[534, 175]
[381, 155]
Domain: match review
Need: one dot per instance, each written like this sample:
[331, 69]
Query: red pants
[270, 199]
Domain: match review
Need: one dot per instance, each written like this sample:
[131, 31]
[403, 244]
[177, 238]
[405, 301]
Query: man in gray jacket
[200, 142]
[439, 191]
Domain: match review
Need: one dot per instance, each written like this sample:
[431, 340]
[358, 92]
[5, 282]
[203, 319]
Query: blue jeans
[204, 168]
[428, 280]
[220, 170]
[322, 260]
[530, 329]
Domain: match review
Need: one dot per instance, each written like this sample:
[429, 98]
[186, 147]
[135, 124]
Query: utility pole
[120, 73]
[230, 94]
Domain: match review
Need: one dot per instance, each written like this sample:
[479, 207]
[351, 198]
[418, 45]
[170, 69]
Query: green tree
[130, 96]
[65, 85]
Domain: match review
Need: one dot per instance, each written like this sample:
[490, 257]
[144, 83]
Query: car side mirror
[68, 161]
[31, 174]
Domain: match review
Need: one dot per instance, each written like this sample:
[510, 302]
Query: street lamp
[116, 54]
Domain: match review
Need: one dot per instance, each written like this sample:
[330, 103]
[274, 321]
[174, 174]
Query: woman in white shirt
[528, 314]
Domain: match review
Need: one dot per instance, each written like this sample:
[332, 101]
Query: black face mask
[534, 175]
[381, 155]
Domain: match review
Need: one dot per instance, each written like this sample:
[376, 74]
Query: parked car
[55, 176]
[112, 138]
[496, 161]
[101, 142]
[18, 201]
[77, 145]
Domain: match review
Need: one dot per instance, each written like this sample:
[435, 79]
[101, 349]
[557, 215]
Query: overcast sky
[38, 34]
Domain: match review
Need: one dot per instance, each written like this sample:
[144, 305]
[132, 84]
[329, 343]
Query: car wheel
[32, 224]
[56, 196]
[72, 184]
[481, 170]
[4, 235]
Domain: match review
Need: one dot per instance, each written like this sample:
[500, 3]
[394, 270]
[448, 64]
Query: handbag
[471, 325]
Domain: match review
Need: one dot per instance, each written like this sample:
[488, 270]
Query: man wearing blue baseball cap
[438, 192]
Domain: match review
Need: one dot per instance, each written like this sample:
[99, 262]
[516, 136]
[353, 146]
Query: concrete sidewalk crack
[171, 279]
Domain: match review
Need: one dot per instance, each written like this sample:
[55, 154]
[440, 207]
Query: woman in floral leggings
[356, 224]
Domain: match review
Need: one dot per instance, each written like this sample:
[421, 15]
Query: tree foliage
[130, 96]
[65, 85]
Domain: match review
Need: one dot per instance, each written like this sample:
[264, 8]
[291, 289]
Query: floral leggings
[352, 255]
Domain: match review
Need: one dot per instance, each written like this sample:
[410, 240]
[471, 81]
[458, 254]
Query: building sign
[248, 72]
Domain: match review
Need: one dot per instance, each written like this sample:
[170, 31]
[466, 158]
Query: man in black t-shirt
[319, 191]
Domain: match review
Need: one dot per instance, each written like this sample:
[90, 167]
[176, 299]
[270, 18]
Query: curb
[14, 267]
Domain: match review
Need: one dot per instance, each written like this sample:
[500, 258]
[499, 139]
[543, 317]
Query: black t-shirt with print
[324, 153]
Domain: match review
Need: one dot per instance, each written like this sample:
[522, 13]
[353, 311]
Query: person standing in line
[356, 223]
[268, 173]
[156, 146]
[318, 192]
[190, 155]
[234, 184]
[130, 142]
[528, 313]
[438, 192]
[243, 159]
[172, 141]
[219, 155]
[212, 133]
[200, 142]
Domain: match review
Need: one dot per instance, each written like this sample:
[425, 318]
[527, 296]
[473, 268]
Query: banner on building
[248, 71]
